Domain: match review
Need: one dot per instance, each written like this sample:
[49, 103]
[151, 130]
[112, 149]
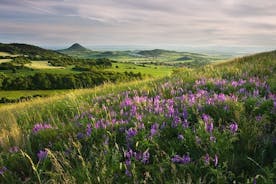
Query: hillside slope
[214, 124]
[30, 50]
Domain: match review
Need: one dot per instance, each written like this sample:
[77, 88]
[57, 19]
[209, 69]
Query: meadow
[213, 124]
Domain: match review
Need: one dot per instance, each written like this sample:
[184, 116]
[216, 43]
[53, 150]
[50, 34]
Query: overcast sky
[139, 22]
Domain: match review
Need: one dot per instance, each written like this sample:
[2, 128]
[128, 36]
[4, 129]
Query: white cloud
[189, 22]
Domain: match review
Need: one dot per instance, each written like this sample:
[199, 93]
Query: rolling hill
[29, 50]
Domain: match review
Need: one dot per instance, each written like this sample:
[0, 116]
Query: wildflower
[80, 135]
[42, 154]
[163, 125]
[198, 140]
[128, 154]
[154, 129]
[128, 173]
[88, 129]
[212, 138]
[14, 149]
[180, 137]
[259, 118]
[208, 121]
[3, 170]
[185, 124]
[128, 162]
[39, 126]
[176, 159]
[131, 132]
[233, 127]
[185, 159]
[185, 114]
[216, 160]
[207, 159]
[145, 157]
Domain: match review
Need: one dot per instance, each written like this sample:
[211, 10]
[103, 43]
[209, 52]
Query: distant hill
[155, 52]
[75, 48]
[29, 50]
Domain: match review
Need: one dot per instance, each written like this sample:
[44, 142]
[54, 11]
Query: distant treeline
[20, 99]
[64, 81]
[65, 61]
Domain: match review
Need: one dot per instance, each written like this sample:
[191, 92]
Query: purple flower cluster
[42, 154]
[41, 126]
[208, 122]
[207, 159]
[3, 170]
[185, 159]
[131, 132]
[233, 127]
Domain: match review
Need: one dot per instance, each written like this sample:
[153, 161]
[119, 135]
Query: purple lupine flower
[88, 129]
[185, 114]
[163, 125]
[208, 121]
[131, 132]
[14, 149]
[185, 159]
[233, 127]
[128, 173]
[255, 180]
[128, 154]
[80, 135]
[141, 126]
[259, 118]
[207, 159]
[176, 159]
[256, 92]
[3, 170]
[198, 140]
[42, 154]
[154, 129]
[145, 157]
[40, 126]
[180, 137]
[185, 124]
[138, 156]
[128, 162]
[216, 160]
[213, 138]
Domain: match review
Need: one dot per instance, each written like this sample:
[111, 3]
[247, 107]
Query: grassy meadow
[213, 124]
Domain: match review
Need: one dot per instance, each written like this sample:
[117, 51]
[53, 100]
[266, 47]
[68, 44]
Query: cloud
[189, 22]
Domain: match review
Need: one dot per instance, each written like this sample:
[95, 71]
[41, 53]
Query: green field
[147, 69]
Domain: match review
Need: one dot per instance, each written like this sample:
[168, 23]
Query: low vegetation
[214, 124]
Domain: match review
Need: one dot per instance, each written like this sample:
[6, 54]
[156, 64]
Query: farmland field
[42, 65]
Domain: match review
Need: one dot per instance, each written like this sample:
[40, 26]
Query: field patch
[42, 65]
[5, 60]
[147, 69]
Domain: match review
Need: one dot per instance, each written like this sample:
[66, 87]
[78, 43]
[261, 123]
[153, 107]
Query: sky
[195, 23]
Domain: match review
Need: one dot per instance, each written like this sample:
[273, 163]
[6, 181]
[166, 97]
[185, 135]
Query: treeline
[13, 67]
[65, 61]
[65, 81]
[20, 99]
